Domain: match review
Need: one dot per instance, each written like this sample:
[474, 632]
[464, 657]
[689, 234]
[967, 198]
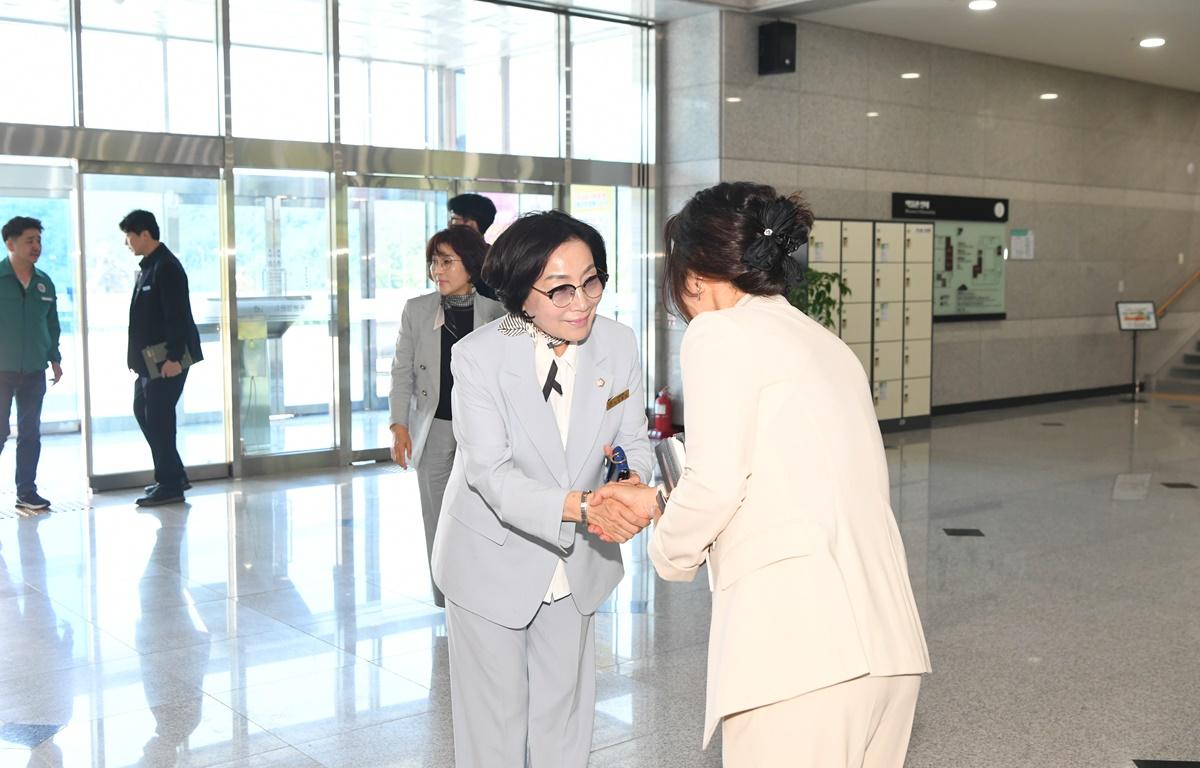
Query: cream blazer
[785, 490]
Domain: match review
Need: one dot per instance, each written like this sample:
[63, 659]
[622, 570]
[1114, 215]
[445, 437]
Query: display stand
[1134, 316]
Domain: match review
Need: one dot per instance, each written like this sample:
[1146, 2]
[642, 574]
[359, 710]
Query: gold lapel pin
[600, 383]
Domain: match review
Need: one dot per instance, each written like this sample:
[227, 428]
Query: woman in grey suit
[539, 395]
[420, 402]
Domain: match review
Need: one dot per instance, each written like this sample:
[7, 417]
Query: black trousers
[154, 402]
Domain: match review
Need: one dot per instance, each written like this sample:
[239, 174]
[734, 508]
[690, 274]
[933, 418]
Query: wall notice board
[968, 270]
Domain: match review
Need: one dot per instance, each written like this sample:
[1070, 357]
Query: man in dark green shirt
[29, 319]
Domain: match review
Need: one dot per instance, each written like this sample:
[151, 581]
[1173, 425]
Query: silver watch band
[583, 507]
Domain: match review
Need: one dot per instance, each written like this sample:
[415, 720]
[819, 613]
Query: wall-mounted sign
[968, 271]
[1137, 316]
[913, 205]
[1021, 245]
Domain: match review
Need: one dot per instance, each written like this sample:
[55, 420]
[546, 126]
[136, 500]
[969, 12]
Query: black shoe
[32, 501]
[187, 486]
[160, 496]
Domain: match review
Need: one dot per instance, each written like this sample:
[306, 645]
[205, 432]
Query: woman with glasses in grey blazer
[421, 411]
[540, 393]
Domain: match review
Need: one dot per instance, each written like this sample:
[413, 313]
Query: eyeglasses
[561, 296]
[442, 264]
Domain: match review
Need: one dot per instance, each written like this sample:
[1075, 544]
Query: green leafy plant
[816, 296]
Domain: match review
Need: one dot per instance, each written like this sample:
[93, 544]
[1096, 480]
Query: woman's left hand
[634, 478]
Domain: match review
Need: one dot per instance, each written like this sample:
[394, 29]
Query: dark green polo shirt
[29, 327]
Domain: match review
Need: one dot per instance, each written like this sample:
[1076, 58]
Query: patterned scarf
[465, 301]
[515, 325]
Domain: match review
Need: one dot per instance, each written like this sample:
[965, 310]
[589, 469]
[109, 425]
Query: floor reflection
[288, 621]
[173, 724]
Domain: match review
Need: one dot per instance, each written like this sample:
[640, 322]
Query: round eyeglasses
[441, 264]
[561, 296]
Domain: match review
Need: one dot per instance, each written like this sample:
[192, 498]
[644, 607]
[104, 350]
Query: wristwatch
[661, 498]
[583, 507]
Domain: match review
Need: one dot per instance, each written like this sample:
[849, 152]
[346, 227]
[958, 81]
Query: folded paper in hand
[156, 354]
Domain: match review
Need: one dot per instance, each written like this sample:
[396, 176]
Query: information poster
[968, 270]
[1137, 316]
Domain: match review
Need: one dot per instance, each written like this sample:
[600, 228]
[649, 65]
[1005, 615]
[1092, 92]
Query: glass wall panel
[151, 66]
[187, 214]
[388, 232]
[621, 214]
[510, 205]
[485, 79]
[279, 78]
[42, 189]
[610, 80]
[285, 311]
[35, 42]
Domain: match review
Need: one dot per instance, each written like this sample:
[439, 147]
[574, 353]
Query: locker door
[887, 399]
[889, 321]
[863, 353]
[856, 324]
[859, 278]
[916, 398]
[917, 360]
[889, 283]
[918, 320]
[825, 245]
[889, 243]
[918, 282]
[887, 360]
[918, 243]
[856, 241]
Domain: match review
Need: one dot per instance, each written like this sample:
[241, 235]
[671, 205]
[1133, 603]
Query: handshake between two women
[618, 511]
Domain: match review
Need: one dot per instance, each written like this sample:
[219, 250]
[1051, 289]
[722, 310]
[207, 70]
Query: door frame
[134, 478]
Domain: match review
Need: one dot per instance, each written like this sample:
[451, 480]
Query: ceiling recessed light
[981, 5]
[1048, 96]
[734, 99]
[872, 114]
[911, 75]
[1153, 42]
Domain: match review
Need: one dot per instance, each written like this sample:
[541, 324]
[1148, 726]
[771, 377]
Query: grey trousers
[436, 462]
[522, 698]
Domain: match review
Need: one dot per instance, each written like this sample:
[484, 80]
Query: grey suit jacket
[501, 530]
[417, 364]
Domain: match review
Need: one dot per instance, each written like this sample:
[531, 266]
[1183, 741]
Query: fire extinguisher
[662, 416]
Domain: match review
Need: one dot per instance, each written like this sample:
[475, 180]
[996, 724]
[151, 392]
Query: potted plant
[815, 297]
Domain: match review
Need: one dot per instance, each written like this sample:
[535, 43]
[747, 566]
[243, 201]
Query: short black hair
[139, 221]
[466, 243]
[519, 255]
[475, 207]
[18, 225]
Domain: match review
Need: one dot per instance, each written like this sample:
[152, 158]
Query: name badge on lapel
[616, 400]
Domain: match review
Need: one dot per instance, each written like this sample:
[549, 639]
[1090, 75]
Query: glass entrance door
[285, 312]
[388, 230]
[187, 214]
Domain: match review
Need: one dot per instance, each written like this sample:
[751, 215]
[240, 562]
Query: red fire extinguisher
[662, 416]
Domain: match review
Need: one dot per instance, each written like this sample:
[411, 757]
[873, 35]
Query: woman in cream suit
[421, 382]
[816, 648]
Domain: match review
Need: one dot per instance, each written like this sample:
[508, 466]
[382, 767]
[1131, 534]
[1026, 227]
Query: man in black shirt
[163, 343]
[477, 212]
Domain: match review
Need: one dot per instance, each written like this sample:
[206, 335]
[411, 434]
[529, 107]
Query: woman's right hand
[401, 445]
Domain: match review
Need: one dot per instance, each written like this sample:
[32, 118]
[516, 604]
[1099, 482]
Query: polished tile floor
[287, 621]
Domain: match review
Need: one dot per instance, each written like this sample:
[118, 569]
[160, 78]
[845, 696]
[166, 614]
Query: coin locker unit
[887, 318]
